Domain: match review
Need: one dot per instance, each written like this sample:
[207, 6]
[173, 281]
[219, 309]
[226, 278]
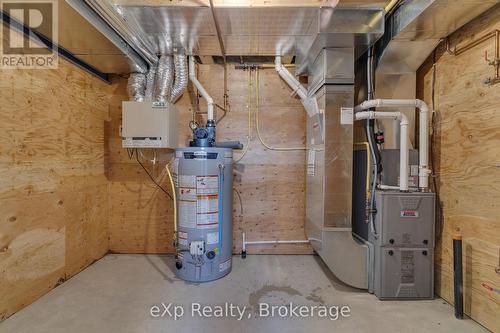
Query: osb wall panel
[271, 183]
[467, 167]
[53, 188]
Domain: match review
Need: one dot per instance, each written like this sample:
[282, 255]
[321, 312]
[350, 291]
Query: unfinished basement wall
[53, 187]
[467, 167]
[271, 183]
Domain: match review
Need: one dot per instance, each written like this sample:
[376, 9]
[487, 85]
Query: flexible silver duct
[150, 83]
[136, 87]
[181, 77]
[164, 79]
[158, 83]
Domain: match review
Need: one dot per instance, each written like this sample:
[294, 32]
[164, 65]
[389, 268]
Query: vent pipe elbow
[424, 171]
[309, 103]
[404, 151]
[201, 90]
[289, 79]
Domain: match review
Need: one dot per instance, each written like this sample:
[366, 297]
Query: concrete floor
[116, 295]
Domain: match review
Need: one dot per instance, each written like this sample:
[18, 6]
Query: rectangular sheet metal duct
[412, 32]
[246, 31]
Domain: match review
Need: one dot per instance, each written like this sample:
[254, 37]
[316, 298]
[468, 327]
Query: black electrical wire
[370, 123]
[151, 177]
[433, 144]
[369, 130]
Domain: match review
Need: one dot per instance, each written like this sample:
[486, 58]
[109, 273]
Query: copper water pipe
[495, 62]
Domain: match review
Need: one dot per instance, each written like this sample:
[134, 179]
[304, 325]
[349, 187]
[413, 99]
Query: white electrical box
[197, 248]
[149, 125]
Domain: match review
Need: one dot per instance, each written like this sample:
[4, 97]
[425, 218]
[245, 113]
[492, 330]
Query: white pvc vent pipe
[201, 90]
[309, 103]
[245, 243]
[423, 158]
[404, 151]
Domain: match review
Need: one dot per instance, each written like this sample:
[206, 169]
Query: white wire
[249, 108]
[257, 123]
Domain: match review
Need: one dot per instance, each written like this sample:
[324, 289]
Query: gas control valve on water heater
[204, 190]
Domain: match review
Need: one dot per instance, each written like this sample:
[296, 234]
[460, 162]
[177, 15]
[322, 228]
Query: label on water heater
[225, 265]
[212, 238]
[183, 238]
[187, 214]
[187, 202]
[207, 203]
[198, 201]
[187, 181]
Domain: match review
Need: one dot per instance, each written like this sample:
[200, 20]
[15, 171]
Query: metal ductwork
[137, 62]
[150, 82]
[126, 27]
[164, 79]
[416, 27]
[136, 87]
[158, 84]
[413, 31]
[181, 77]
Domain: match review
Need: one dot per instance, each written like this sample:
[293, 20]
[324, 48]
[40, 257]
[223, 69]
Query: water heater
[204, 183]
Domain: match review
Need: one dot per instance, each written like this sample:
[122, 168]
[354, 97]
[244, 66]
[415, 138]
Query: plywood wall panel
[53, 189]
[271, 183]
[466, 164]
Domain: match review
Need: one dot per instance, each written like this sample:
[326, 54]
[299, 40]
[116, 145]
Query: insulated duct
[181, 77]
[150, 83]
[164, 79]
[136, 87]
[158, 84]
